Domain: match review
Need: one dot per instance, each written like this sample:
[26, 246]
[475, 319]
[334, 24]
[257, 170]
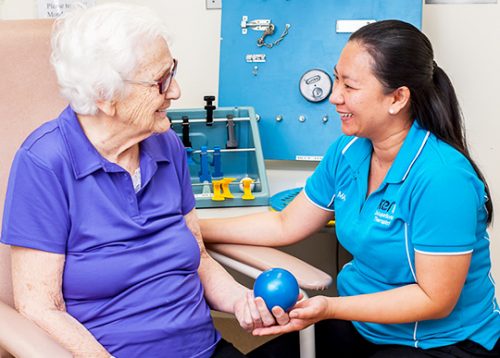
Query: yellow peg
[226, 192]
[247, 189]
[217, 193]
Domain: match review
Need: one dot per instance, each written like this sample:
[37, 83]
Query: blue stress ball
[278, 287]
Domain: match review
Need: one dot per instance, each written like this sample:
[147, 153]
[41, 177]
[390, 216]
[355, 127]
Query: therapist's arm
[440, 279]
[298, 220]
[224, 294]
[37, 284]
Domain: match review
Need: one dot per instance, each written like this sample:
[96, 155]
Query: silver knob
[317, 92]
[302, 118]
[279, 118]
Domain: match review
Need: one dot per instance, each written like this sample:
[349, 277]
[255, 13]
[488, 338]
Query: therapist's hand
[302, 315]
[252, 313]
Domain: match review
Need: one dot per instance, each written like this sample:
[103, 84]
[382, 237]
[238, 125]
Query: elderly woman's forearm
[221, 290]
[67, 331]
[37, 285]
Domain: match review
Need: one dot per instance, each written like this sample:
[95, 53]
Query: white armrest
[24, 339]
[261, 258]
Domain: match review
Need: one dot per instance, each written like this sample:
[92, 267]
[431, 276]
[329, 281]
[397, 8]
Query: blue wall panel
[312, 42]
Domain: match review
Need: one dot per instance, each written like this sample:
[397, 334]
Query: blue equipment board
[224, 148]
[292, 127]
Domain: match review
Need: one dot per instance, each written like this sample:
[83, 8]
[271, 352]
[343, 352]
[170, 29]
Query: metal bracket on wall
[264, 25]
[257, 25]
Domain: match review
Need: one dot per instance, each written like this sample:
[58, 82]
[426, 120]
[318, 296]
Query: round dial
[315, 85]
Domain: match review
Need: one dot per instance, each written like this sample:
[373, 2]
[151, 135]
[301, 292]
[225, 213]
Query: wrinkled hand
[302, 315]
[252, 313]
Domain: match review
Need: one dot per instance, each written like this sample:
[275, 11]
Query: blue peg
[217, 163]
[189, 154]
[204, 173]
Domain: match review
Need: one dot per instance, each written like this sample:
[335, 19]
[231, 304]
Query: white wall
[195, 41]
[466, 40]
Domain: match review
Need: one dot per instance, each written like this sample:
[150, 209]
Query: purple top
[130, 274]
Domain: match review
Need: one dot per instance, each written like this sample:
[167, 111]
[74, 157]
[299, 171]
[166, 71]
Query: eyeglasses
[163, 83]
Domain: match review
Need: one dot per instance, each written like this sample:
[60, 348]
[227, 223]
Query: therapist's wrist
[333, 307]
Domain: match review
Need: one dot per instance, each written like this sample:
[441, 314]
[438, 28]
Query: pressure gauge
[315, 85]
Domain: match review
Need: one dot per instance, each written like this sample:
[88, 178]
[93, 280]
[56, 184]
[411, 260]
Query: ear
[400, 99]
[107, 107]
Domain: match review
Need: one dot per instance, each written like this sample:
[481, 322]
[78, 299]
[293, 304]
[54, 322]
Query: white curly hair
[95, 49]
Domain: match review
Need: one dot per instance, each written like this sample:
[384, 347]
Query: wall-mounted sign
[55, 8]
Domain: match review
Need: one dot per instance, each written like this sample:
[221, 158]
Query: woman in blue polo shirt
[410, 205]
[107, 255]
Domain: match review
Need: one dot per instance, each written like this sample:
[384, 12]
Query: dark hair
[403, 56]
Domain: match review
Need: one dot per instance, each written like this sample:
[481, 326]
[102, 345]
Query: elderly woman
[107, 254]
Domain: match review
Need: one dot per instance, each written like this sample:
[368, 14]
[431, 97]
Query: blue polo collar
[359, 149]
[85, 159]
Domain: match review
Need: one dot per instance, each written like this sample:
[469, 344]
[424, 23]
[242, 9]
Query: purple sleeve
[180, 159]
[36, 211]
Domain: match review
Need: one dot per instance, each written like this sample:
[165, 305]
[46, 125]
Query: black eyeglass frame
[163, 83]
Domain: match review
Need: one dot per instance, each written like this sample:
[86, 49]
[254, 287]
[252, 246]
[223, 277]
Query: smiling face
[359, 96]
[143, 106]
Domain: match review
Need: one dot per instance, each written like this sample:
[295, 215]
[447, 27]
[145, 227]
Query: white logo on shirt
[341, 196]
[385, 212]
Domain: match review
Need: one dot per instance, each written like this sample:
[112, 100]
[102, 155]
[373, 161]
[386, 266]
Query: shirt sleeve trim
[444, 253]
[315, 204]
[191, 206]
[35, 245]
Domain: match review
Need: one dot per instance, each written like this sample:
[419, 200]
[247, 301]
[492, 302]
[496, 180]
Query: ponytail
[437, 110]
